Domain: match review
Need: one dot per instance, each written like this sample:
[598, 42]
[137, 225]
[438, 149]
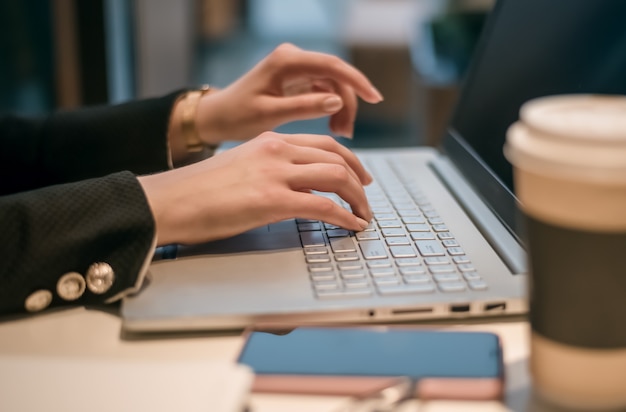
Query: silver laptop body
[470, 261]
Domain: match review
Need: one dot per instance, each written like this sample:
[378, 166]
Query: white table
[85, 333]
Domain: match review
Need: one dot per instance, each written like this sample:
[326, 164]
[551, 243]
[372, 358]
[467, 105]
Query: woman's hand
[265, 180]
[289, 84]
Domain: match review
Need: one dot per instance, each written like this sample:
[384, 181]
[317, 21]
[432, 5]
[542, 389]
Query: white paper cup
[569, 161]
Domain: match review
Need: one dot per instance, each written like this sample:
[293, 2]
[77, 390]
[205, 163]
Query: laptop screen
[530, 48]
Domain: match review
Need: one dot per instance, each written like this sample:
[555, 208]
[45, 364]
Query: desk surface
[85, 333]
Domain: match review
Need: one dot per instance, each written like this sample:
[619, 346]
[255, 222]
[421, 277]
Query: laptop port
[495, 307]
[410, 311]
[460, 308]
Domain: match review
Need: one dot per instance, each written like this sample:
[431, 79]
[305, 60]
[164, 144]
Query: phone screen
[374, 352]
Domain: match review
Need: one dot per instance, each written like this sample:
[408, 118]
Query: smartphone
[359, 360]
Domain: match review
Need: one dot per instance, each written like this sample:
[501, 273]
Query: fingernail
[363, 223]
[378, 94]
[332, 104]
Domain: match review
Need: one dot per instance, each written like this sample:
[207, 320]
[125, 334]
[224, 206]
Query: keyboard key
[387, 281]
[353, 274]
[406, 213]
[380, 201]
[402, 251]
[373, 249]
[315, 250]
[430, 213]
[445, 235]
[442, 269]
[299, 220]
[413, 219]
[381, 263]
[408, 262]
[389, 224]
[370, 228]
[418, 227]
[388, 232]
[461, 259]
[326, 285]
[422, 236]
[307, 227]
[436, 260]
[412, 270]
[356, 284]
[349, 265]
[450, 243]
[471, 276]
[382, 272]
[317, 258]
[367, 236]
[342, 244]
[323, 276]
[398, 241]
[477, 284]
[451, 287]
[455, 251]
[404, 206]
[312, 239]
[429, 248]
[417, 278]
[384, 216]
[337, 233]
[321, 267]
[446, 277]
[347, 256]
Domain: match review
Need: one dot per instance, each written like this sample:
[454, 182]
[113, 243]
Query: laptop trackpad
[276, 236]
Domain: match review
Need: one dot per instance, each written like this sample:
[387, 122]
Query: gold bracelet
[189, 130]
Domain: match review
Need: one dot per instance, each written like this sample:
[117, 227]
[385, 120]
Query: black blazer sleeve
[49, 232]
[69, 199]
[91, 142]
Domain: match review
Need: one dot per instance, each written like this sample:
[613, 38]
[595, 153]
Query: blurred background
[62, 54]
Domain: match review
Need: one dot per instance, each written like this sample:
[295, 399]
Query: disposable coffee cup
[569, 162]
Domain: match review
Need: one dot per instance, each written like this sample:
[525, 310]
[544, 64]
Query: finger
[315, 207]
[308, 155]
[342, 122]
[289, 61]
[331, 178]
[331, 145]
[300, 107]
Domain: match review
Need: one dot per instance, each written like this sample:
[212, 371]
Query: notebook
[446, 240]
[73, 384]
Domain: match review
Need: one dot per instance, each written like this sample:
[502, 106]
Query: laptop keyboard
[407, 248]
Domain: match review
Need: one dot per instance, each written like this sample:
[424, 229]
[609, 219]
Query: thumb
[305, 106]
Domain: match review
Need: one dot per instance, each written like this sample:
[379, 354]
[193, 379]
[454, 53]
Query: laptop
[446, 240]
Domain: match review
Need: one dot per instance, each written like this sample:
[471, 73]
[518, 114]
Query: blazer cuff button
[100, 277]
[71, 286]
[38, 300]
